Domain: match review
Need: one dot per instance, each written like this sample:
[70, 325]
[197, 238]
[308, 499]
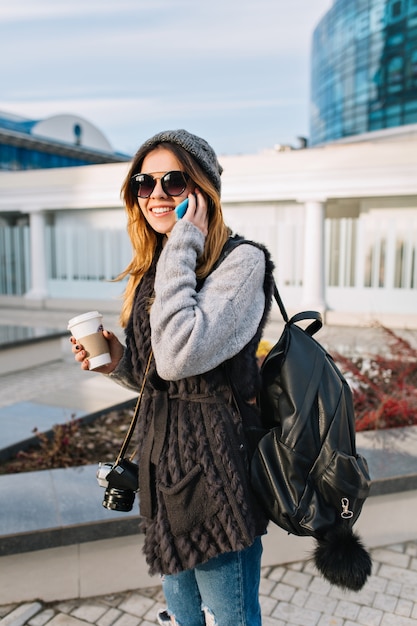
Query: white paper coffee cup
[87, 330]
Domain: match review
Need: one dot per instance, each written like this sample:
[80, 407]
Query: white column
[39, 286]
[314, 250]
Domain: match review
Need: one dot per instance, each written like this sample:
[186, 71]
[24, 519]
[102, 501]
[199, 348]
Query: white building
[340, 221]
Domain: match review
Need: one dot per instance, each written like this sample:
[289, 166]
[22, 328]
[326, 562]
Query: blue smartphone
[181, 209]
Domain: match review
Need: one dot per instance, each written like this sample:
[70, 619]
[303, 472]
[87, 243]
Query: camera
[121, 482]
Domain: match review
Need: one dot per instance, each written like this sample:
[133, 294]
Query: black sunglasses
[173, 183]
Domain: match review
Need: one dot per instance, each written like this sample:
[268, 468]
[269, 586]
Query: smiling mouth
[161, 210]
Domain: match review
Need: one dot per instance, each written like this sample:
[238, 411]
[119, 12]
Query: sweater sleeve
[123, 374]
[195, 331]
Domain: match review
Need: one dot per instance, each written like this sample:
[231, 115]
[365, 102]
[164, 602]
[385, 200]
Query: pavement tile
[395, 620]
[42, 618]
[393, 588]
[409, 592]
[89, 611]
[296, 615]
[109, 617]
[300, 597]
[320, 586]
[282, 592]
[277, 573]
[21, 614]
[136, 604]
[266, 586]
[369, 616]
[365, 596]
[297, 579]
[127, 620]
[330, 620]
[377, 584]
[67, 607]
[347, 610]
[270, 621]
[267, 605]
[398, 574]
[404, 607]
[391, 557]
[150, 616]
[66, 620]
[316, 602]
[114, 599]
[385, 602]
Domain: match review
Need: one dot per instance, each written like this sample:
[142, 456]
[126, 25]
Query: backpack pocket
[345, 483]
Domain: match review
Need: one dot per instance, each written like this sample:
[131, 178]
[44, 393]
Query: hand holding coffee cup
[87, 329]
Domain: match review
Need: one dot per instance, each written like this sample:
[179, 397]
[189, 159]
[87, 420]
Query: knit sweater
[195, 497]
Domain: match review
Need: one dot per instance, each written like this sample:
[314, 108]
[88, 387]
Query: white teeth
[159, 210]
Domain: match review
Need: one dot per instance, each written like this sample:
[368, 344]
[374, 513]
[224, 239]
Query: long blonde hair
[144, 239]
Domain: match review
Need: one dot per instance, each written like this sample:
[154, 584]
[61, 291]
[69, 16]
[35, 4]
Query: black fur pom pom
[342, 559]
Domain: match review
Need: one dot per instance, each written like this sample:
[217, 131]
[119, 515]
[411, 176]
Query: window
[410, 117]
[362, 25]
[396, 9]
[395, 74]
[395, 40]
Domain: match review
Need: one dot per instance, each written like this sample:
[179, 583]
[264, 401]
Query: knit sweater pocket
[187, 503]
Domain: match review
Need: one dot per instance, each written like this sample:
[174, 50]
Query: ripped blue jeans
[222, 592]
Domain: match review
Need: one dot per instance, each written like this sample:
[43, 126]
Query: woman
[198, 325]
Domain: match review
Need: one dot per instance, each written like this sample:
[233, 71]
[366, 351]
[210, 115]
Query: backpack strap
[280, 303]
[308, 315]
[229, 246]
[298, 317]
[237, 240]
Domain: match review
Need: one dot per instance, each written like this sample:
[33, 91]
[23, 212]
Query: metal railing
[370, 261]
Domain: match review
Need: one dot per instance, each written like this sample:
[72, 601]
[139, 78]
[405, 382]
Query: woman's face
[159, 208]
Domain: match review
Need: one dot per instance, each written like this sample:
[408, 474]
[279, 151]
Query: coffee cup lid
[84, 317]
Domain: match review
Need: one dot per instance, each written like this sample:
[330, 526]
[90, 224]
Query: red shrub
[383, 385]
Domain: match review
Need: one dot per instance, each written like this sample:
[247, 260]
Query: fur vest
[195, 498]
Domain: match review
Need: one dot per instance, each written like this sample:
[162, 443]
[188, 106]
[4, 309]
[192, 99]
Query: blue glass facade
[22, 149]
[21, 158]
[364, 68]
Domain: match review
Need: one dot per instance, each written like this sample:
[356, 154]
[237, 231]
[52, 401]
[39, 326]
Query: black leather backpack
[305, 469]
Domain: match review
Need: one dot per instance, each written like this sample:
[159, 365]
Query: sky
[234, 72]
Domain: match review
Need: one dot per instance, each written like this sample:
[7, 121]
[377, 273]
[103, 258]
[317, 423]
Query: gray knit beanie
[197, 147]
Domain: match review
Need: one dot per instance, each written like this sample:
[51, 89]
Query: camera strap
[132, 426]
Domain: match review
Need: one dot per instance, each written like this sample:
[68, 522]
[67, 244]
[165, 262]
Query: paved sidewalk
[292, 595]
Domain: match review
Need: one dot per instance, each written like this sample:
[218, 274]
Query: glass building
[364, 68]
[57, 141]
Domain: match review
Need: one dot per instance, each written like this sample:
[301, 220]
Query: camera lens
[119, 499]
